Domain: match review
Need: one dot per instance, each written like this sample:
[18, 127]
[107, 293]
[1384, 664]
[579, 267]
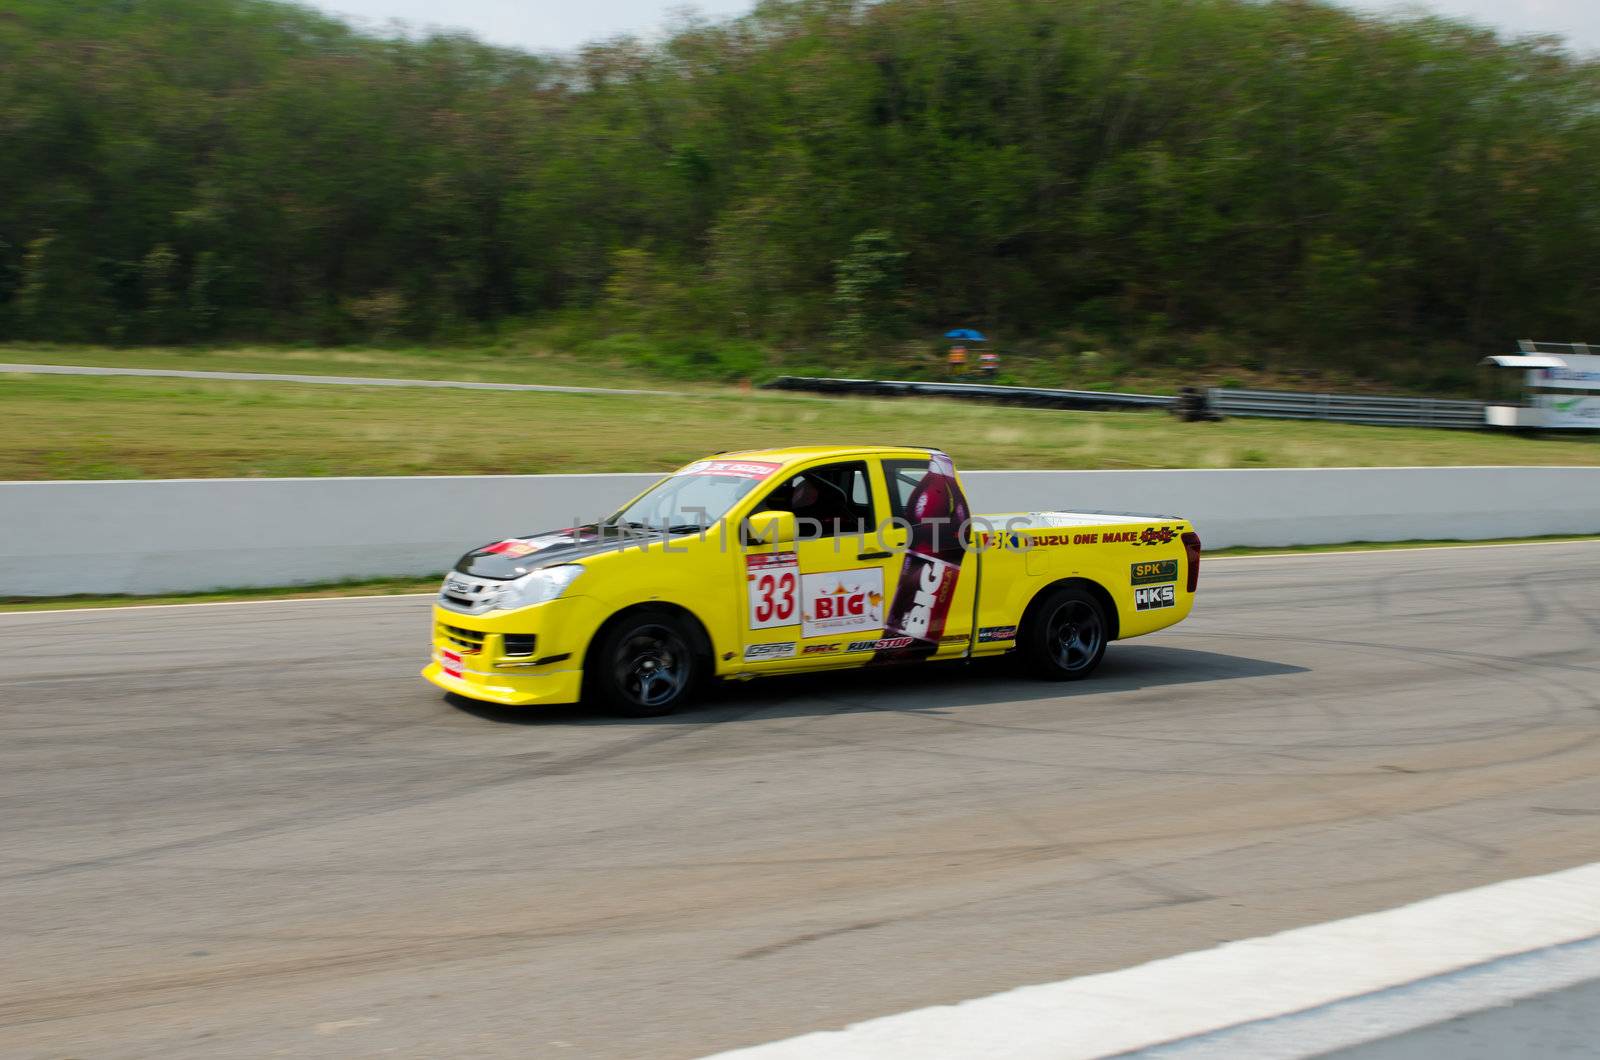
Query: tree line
[827, 174]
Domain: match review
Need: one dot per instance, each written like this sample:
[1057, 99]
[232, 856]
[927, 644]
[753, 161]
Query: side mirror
[770, 528]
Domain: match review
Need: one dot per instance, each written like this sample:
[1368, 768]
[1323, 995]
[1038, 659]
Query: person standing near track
[958, 360]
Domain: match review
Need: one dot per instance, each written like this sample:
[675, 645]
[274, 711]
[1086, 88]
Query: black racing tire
[1065, 635]
[644, 665]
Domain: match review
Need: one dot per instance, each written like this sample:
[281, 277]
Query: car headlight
[544, 584]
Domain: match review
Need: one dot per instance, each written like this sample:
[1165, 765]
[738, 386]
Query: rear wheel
[1064, 638]
[645, 665]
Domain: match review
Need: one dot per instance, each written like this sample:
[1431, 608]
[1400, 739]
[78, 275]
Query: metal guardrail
[1039, 397]
[1347, 408]
[1269, 404]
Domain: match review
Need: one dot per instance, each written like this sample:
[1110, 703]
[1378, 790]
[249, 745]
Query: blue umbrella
[965, 333]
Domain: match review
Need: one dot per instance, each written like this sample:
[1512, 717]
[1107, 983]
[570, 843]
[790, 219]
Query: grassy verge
[508, 362]
[58, 427]
[402, 586]
[572, 356]
[1393, 546]
[369, 587]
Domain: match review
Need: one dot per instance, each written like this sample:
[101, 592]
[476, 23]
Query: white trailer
[1546, 386]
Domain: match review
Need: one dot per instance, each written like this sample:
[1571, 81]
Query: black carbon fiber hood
[513, 557]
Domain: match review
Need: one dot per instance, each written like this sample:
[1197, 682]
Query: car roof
[795, 454]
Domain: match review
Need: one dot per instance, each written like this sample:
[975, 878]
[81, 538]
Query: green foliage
[1187, 183]
[867, 291]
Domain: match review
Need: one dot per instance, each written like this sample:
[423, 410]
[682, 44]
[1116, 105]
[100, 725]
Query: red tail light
[1191, 545]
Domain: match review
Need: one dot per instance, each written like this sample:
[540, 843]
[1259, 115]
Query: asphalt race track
[253, 830]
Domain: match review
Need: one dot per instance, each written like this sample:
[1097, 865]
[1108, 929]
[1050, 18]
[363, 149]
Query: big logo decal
[841, 601]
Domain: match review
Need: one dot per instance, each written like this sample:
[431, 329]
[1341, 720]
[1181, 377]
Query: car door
[820, 601]
[935, 572]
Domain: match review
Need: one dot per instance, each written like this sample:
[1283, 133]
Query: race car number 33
[773, 589]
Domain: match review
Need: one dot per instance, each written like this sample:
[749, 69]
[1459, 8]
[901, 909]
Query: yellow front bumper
[562, 686]
[469, 654]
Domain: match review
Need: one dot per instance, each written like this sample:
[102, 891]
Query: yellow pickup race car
[787, 560]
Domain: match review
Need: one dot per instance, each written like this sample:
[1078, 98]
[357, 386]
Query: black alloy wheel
[646, 666]
[1065, 636]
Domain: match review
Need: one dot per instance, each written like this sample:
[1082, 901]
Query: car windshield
[685, 503]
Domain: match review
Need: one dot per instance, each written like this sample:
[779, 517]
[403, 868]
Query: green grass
[402, 586]
[1393, 546]
[511, 361]
[59, 427]
[579, 353]
[318, 591]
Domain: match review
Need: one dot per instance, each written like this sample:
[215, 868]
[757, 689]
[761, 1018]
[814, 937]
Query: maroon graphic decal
[937, 511]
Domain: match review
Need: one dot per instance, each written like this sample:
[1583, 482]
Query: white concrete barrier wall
[61, 538]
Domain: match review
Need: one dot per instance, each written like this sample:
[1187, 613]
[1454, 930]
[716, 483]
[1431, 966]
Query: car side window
[828, 501]
[903, 477]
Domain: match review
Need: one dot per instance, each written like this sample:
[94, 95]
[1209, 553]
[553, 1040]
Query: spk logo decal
[1161, 570]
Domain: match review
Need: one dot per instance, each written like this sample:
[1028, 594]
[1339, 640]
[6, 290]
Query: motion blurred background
[816, 184]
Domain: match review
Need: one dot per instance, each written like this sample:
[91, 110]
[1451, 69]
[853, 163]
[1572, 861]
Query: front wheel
[645, 665]
[1064, 638]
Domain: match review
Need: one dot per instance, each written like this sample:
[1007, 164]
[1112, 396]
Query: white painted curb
[1197, 993]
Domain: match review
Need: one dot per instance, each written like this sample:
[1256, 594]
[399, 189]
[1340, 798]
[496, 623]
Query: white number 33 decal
[774, 590]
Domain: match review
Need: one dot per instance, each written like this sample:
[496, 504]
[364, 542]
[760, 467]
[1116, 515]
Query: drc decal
[1154, 597]
[1163, 570]
[844, 601]
[991, 634]
[759, 652]
[821, 649]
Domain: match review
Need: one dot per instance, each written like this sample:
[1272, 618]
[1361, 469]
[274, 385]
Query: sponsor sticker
[844, 601]
[1157, 535]
[821, 649]
[1054, 519]
[1163, 570]
[777, 650]
[931, 583]
[991, 634]
[756, 469]
[772, 589]
[450, 663]
[1153, 597]
[881, 644]
[517, 549]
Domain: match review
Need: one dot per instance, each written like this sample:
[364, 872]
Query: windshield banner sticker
[756, 469]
